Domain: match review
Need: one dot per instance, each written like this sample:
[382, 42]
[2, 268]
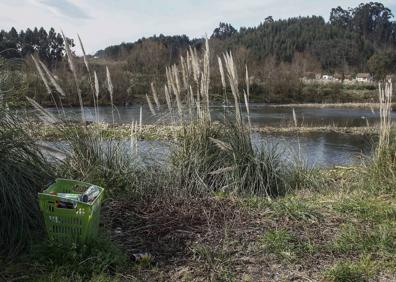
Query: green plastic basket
[77, 224]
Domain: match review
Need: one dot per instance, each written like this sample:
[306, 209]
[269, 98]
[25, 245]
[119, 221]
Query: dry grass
[385, 98]
[76, 81]
[110, 88]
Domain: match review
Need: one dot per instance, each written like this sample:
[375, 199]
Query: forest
[345, 43]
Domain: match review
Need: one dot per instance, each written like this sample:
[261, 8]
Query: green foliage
[61, 261]
[223, 31]
[380, 239]
[367, 208]
[49, 45]
[256, 171]
[348, 272]
[382, 64]
[379, 173]
[195, 156]
[280, 242]
[295, 209]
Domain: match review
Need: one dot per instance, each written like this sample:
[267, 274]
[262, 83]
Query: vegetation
[23, 173]
[49, 45]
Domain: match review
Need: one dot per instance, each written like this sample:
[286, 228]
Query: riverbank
[42, 131]
[331, 105]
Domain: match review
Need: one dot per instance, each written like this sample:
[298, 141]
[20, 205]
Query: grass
[60, 261]
[23, 172]
[279, 242]
[350, 271]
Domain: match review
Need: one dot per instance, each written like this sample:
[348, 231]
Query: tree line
[344, 44]
[48, 45]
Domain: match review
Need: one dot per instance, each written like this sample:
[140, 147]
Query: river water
[315, 149]
[261, 115]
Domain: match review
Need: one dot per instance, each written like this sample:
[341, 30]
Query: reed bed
[216, 157]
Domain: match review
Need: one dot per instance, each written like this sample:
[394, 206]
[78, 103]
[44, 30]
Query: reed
[294, 118]
[45, 81]
[206, 78]
[385, 100]
[155, 96]
[221, 70]
[44, 115]
[246, 95]
[110, 88]
[52, 79]
[97, 92]
[73, 70]
[97, 88]
[210, 156]
[91, 82]
[168, 99]
[150, 104]
[141, 120]
[233, 81]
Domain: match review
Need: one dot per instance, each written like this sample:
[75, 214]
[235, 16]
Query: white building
[363, 77]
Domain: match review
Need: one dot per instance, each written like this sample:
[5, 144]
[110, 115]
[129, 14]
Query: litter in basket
[71, 210]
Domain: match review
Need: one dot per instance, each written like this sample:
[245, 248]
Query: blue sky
[104, 22]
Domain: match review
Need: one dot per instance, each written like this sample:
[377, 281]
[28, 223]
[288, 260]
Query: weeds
[281, 243]
[71, 261]
[350, 272]
[379, 239]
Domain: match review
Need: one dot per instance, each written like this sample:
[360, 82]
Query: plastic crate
[77, 224]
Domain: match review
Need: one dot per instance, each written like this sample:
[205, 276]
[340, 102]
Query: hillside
[344, 44]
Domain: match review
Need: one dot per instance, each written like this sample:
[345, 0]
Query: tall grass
[74, 71]
[209, 157]
[381, 171]
[23, 172]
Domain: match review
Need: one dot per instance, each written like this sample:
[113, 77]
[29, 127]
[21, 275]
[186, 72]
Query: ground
[344, 234]
[337, 229]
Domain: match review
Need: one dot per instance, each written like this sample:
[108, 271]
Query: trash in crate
[71, 210]
[91, 194]
[71, 199]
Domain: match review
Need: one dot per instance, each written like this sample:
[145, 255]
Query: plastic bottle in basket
[91, 193]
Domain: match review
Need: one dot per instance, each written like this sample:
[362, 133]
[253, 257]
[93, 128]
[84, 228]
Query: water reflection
[319, 150]
[261, 115]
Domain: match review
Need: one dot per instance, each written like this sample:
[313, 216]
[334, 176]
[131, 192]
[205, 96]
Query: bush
[223, 158]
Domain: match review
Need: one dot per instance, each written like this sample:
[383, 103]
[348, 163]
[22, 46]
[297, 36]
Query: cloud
[64, 8]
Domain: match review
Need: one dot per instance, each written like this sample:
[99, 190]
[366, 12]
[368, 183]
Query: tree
[372, 20]
[268, 20]
[49, 46]
[382, 64]
[340, 17]
[223, 31]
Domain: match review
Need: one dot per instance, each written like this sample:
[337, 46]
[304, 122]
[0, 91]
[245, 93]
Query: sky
[101, 23]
